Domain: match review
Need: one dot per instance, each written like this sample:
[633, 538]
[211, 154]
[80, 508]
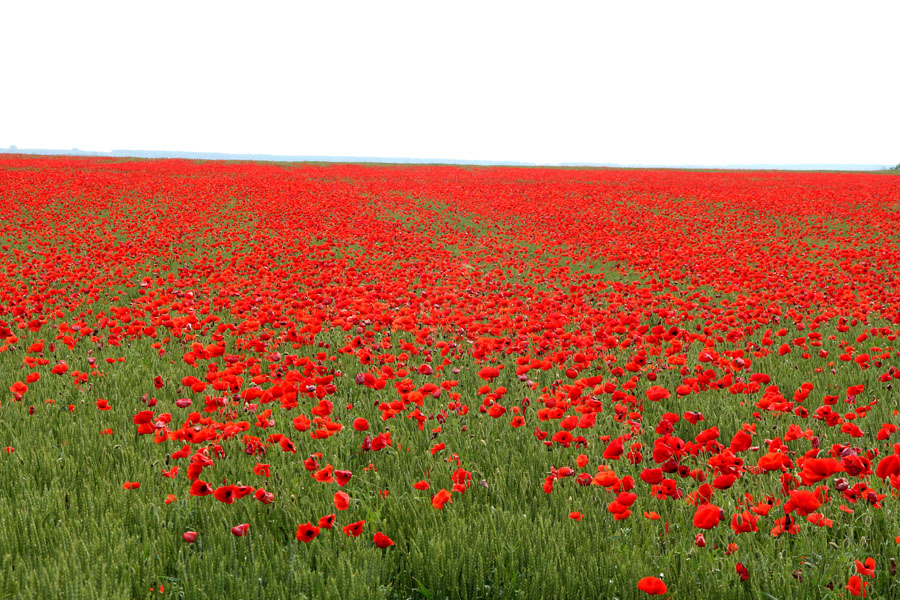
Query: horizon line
[263, 157]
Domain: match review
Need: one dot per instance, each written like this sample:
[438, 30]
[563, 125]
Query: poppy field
[245, 380]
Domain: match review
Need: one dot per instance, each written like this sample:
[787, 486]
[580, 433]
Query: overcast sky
[626, 82]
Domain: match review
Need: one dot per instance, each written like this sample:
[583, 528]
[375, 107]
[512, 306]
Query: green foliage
[70, 529]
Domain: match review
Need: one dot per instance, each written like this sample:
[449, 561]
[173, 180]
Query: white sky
[626, 82]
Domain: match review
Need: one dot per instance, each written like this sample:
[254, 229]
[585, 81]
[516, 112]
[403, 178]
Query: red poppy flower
[382, 541]
[353, 529]
[652, 476]
[866, 568]
[652, 586]
[341, 500]
[342, 477]
[307, 532]
[264, 496]
[225, 493]
[820, 520]
[143, 417]
[489, 373]
[324, 475]
[60, 368]
[708, 516]
[744, 522]
[301, 423]
[440, 499]
[200, 488]
[816, 469]
[327, 522]
[287, 445]
[803, 501]
[856, 586]
[656, 393]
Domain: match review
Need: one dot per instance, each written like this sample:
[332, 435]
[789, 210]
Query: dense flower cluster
[590, 307]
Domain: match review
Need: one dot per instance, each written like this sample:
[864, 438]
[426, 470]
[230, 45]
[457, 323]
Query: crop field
[244, 380]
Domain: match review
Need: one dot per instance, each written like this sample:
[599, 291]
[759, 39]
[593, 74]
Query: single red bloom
[656, 393]
[341, 500]
[708, 516]
[60, 368]
[382, 541]
[324, 475]
[803, 501]
[242, 490]
[489, 373]
[342, 477]
[744, 522]
[440, 499]
[287, 445]
[653, 586]
[856, 586]
[144, 416]
[354, 529]
[866, 568]
[225, 493]
[307, 532]
[264, 496]
[327, 522]
[200, 488]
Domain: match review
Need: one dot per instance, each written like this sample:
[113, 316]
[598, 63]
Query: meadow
[245, 380]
